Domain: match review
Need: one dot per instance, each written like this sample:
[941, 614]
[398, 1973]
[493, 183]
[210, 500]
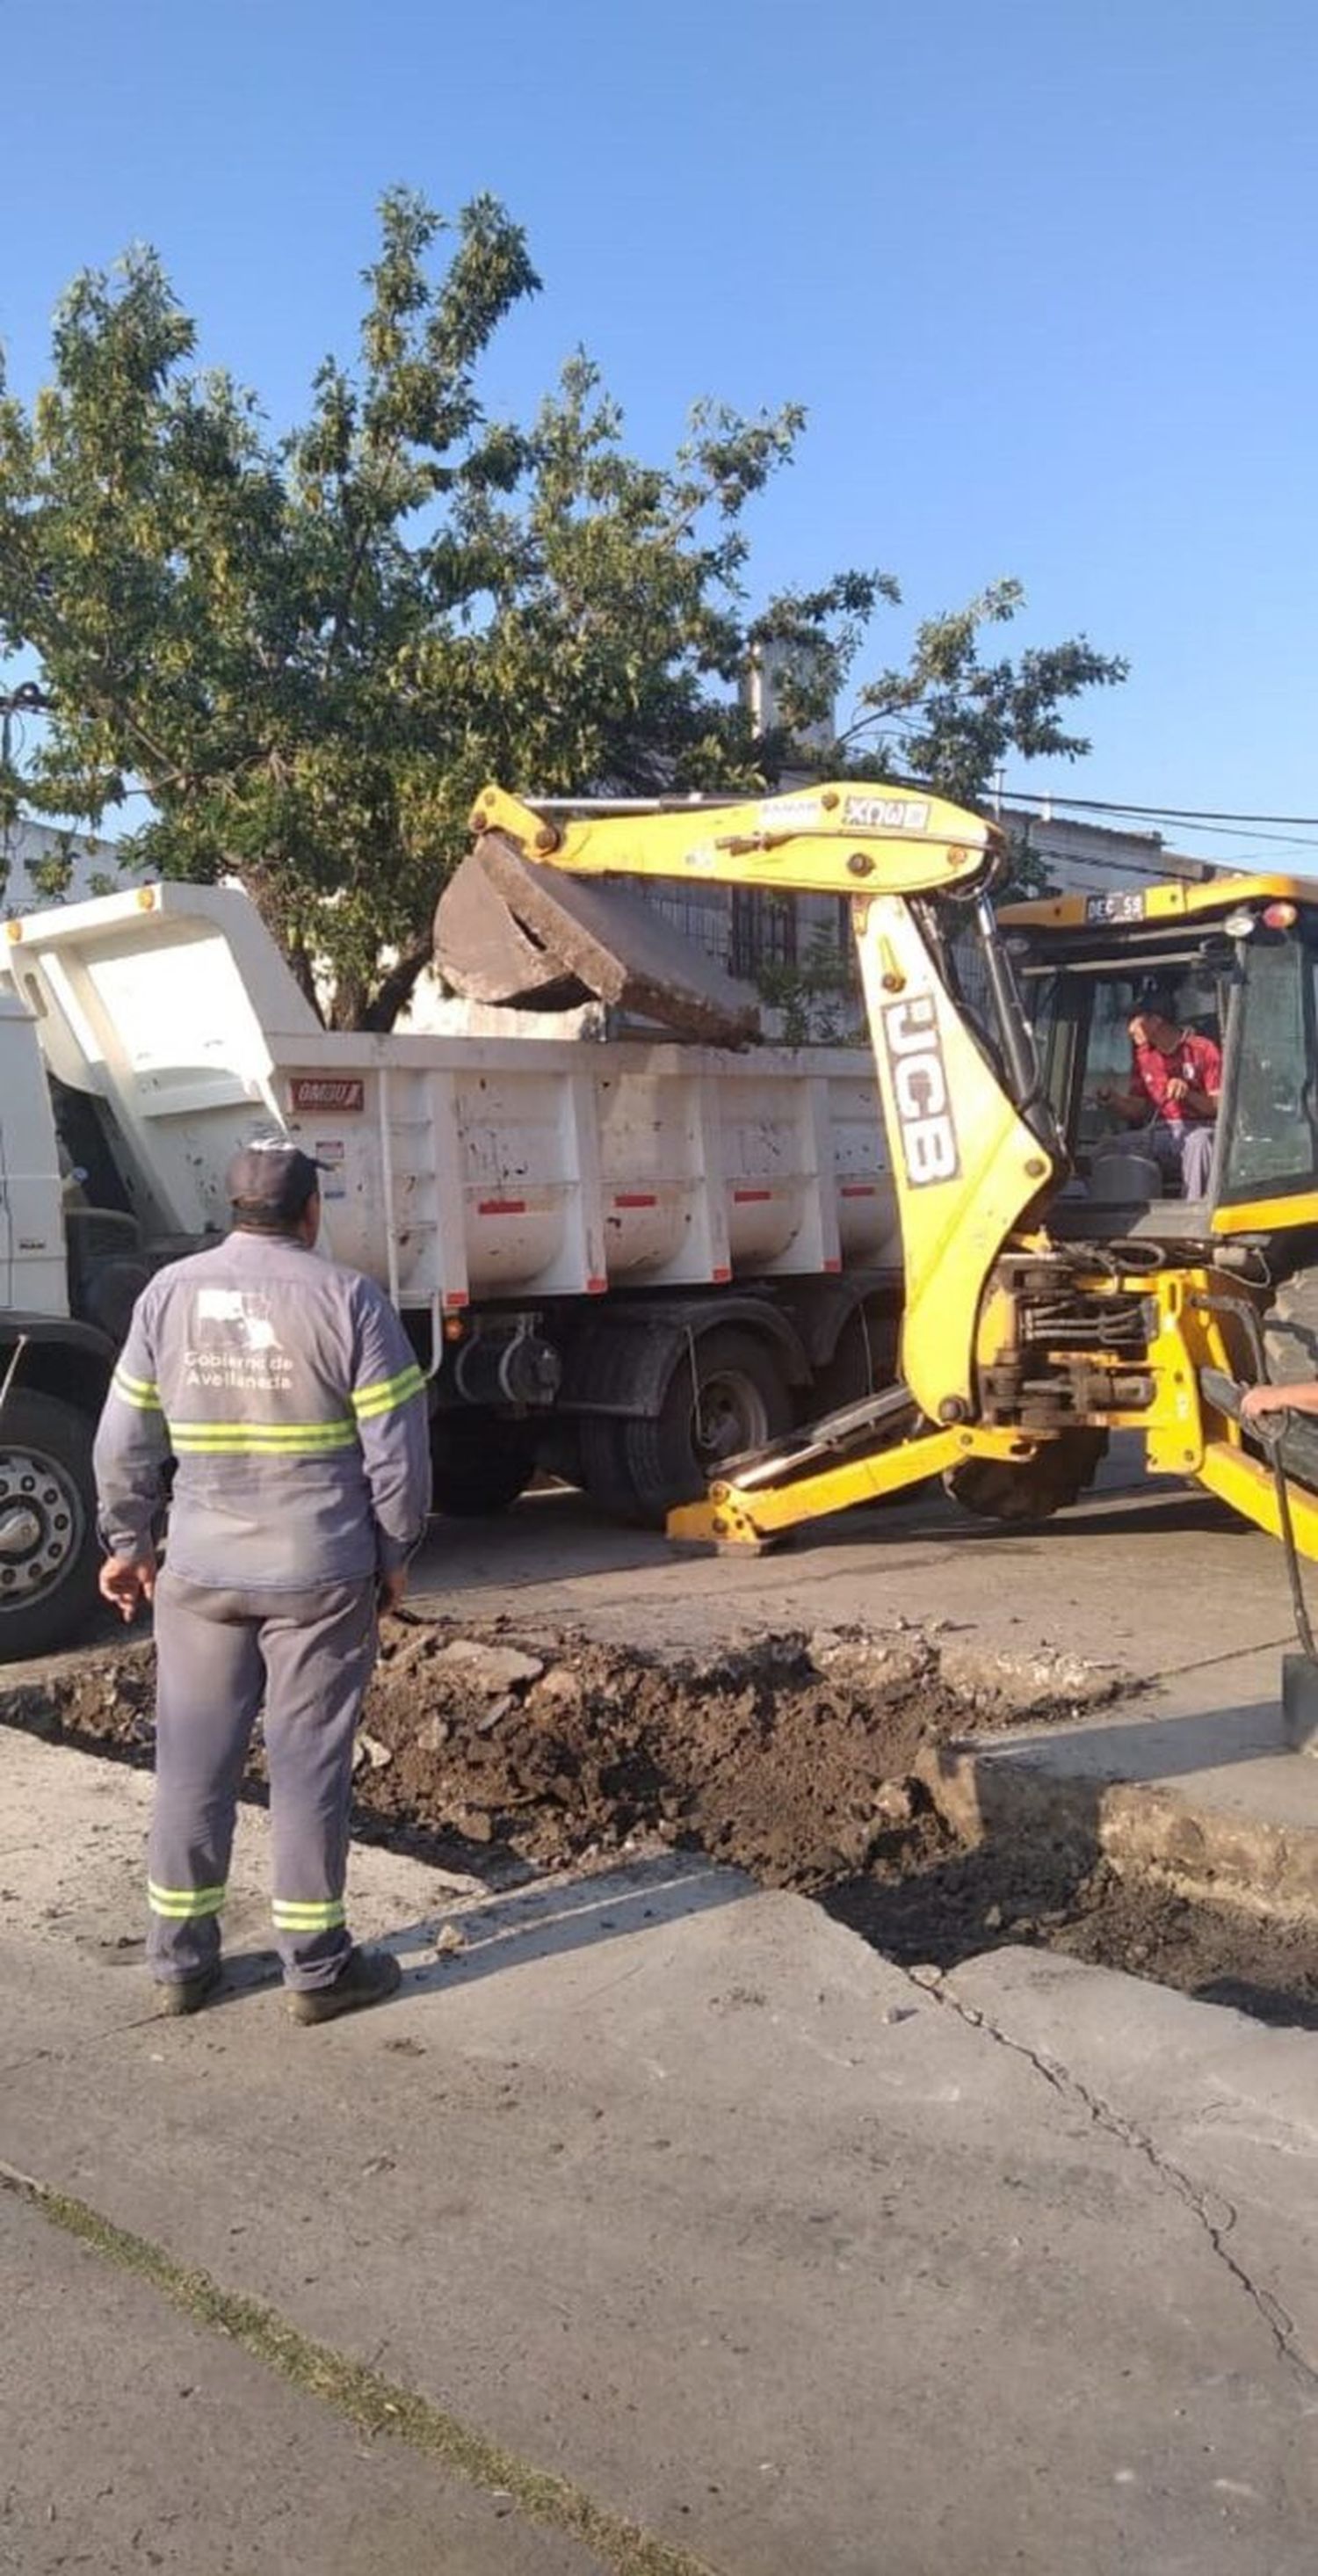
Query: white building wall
[40, 865]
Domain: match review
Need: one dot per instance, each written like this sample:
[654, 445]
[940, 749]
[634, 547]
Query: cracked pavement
[1217, 2216]
[678, 2192]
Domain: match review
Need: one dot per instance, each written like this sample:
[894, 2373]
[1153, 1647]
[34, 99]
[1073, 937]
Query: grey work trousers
[221, 1657]
[1183, 1151]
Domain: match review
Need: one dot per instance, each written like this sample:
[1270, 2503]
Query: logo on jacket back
[234, 1342]
[919, 1089]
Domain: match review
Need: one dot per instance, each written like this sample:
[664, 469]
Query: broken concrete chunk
[483, 954]
[894, 1802]
[1028, 1682]
[879, 1664]
[606, 938]
[370, 1750]
[489, 1668]
[560, 1683]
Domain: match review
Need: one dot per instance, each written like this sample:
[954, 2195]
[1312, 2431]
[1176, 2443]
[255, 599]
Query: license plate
[1126, 906]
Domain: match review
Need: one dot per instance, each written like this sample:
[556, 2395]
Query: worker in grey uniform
[290, 1399]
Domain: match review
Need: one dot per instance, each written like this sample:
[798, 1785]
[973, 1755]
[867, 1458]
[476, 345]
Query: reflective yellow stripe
[183, 1904]
[291, 1917]
[254, 1439]
[135, 1385]
[387, 1392]
[140, 1391]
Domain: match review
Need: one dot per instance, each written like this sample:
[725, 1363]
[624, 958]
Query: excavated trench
[801, 1759]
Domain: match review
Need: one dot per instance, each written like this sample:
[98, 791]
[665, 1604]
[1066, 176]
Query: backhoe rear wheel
[998, 1489]
[1290, 1343]
[1290, 1329]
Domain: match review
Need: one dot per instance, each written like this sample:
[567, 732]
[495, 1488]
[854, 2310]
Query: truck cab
[55, 1359]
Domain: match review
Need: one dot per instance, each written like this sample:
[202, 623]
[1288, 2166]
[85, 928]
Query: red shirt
[1193, 1059]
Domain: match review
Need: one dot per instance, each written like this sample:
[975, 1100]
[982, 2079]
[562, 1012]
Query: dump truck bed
[456, 1168]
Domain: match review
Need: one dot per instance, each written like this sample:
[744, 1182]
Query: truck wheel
[49, 1554]
[726, 1396]
[1054, 1478]
[864, 1361]
[1290, 1343]
[479, 1463]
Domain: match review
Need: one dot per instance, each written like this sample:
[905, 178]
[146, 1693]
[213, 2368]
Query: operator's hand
[392, 1589]
[1106, 1091]
[1176, 1088]
[128, 1582]
[1265, 1399]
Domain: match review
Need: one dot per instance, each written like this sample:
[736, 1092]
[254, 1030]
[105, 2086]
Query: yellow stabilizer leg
[751, 1517]
[1249, 1486]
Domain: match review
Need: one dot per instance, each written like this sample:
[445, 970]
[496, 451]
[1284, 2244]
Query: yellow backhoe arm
[820, 840]
[965, 1162]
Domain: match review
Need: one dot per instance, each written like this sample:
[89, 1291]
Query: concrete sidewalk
[1192, 1781]
[778, 2259]
[137, 2438]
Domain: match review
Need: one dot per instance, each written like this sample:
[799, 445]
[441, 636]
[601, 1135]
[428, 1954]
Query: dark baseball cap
[272, 1179]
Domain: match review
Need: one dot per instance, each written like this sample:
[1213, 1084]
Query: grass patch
[371, 2403]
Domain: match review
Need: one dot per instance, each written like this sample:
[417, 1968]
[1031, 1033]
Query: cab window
[1271, 1142]
[1083, 1034]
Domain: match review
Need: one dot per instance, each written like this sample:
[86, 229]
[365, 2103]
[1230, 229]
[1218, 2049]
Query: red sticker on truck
[325, 1091]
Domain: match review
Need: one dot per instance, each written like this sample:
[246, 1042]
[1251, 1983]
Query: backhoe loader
[1059, 1287]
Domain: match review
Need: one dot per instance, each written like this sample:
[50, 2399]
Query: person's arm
[1300, 1398]
[128, 1461]
[1133, 1106]
[1202, 1096]
[392, 1411]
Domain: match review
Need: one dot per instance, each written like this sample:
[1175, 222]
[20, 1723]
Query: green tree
[304, 653]
[949, 716]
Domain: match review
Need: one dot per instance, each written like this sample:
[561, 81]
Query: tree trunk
[396, 988]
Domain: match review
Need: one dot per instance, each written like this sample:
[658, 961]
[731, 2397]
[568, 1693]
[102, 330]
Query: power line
[1156, 813]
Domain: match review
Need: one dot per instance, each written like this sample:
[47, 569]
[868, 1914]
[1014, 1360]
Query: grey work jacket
[290, 1397]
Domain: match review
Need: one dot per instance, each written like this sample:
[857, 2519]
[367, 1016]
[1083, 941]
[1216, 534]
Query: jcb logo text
[919, 1090]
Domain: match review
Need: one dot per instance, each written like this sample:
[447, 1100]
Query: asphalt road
[1144, 1574]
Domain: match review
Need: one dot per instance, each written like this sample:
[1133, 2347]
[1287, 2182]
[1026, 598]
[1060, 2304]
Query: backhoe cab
[1059, 1284]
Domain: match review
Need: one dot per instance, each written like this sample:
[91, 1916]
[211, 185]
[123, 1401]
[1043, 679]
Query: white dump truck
[619, 1262]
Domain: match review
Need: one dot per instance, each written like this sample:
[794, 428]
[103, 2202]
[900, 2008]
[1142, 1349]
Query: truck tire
[479, 1463]
[864, 1361]
[1054, 1478]
[49, 1553]
[727, 1395]
[1290, 1344]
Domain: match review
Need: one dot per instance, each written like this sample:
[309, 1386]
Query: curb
[1142, 1829]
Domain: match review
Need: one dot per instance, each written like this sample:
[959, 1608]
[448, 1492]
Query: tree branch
[395, 989]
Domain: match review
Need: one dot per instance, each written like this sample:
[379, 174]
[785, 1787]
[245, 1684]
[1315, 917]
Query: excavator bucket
[509, 931]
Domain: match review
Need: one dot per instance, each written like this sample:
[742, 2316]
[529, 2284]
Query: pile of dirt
[791, 1757]
[933, 1902]
[502, 1752]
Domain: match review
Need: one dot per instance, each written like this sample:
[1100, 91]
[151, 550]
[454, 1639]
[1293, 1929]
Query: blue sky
[1041, 274]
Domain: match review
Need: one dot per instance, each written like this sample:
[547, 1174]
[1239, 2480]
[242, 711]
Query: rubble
[507, 930]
